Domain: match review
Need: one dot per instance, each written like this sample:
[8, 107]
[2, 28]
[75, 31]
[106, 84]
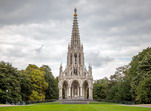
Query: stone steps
[74, 101]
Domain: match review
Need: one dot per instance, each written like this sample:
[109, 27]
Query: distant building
[75, 82]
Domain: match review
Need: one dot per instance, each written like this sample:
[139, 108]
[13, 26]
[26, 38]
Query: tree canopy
[32, 84]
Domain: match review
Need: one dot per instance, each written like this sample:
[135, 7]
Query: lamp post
[6, 96]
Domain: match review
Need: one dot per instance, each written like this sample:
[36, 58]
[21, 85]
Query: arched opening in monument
[85, 90]
[75, 90]
[64, 90]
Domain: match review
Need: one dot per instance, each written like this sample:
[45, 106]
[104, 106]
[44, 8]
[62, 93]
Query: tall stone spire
[75, 37]
[75, 81]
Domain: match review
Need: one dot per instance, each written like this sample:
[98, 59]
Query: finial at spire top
[75, 12]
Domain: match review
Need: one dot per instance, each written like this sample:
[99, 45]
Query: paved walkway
[6, 105]
[141, 105]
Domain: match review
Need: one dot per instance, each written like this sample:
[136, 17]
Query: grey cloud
[97, 60]
[32, 11]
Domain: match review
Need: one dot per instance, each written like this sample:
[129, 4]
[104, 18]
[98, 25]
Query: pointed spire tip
[75, 12]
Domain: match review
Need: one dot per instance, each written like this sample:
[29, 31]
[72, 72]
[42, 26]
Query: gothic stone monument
[75, 81]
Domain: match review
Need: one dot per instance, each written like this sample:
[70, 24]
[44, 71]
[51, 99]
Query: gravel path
[6, 105]
[141, 105]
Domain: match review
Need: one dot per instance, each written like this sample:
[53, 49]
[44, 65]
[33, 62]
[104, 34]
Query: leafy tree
[26, 85]
[100, 88]
[38, 83]
[52, 90]
[29, 84]
[119, 86]
[133, 73]
[143, 90]
[9, 83]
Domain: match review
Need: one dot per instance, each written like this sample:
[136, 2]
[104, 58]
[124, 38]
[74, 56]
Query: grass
[74, 107]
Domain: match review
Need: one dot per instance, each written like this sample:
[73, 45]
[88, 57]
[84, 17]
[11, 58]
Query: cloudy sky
[38, 32]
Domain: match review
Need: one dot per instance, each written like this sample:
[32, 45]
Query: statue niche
[75, 71]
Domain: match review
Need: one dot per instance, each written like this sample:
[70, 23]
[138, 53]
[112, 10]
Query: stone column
[90, 94]
[72, 93]
[69, 92]
[78, 95]
[81, 92]
[77, 92]
[60, 93]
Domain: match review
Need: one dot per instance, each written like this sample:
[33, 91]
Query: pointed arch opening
[64, 90]
[85, 90]
[75, 90]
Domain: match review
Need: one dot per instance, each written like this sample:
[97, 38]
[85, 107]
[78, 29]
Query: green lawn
[74, 107]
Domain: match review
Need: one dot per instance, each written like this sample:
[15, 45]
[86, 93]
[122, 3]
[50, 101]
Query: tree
[38, 83]
[26, 85]
[29, 84]
[133, 73]
[100, 89]
[138, 73]
[9, 83]
[119, 85]
[52, 90]
[143, 90]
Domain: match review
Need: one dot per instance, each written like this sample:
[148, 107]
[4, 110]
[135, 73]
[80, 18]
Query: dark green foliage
[9, 83]
[116, 88]
[143, 90]
[134, 71]
[139, 72]
[52, 90]
[100, 89]
[25, 83]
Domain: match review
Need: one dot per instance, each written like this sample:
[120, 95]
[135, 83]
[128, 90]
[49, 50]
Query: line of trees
[32, 84]
[129, 83]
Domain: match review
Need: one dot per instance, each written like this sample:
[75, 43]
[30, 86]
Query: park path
[6, 105]
[141, 105]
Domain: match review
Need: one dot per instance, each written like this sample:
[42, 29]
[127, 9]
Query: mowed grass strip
[74, 107]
